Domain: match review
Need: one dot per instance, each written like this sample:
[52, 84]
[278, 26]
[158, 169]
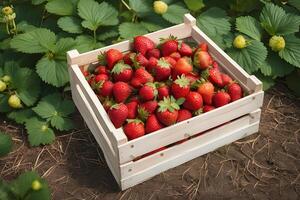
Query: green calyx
[196, 60]
[115, 106]
[135, 121]
[168, 103]
[143, 114]
[277, 43]
[239, 42]
[163, 63]
[120, 67]
[102, 58]
[205, 74]
[182, 81]
[171, 37]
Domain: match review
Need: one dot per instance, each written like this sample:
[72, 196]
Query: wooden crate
[221, 126]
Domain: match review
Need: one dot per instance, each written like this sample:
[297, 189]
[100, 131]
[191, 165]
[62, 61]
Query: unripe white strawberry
[6, 78]
[239, 42]
[277, 43]
[160, 7]
[14, 101]
[2, 86]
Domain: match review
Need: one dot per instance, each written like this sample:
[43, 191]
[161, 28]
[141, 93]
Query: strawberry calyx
[115, 106]
[143, 114]
[198, 112]
[120, 67]
[205, 74]
[168, 103]
[163, 40]
[163, 63]
[182, 81]
[136, 121]
[153, 86]
[102, 58]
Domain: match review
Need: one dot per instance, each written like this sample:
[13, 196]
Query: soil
[265, 165]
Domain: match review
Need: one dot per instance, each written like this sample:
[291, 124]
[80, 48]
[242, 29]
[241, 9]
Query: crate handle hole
[162, 154]
[132, 146]
[129, 170]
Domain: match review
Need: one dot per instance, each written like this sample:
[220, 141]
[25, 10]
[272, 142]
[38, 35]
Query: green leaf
[4, 107]
[276, 67]
[95, 14]
[22, 187]
[293, 82]
[267, 81]
[107, 35]
[20, 116]
[295, 3]
[214, 22]
[291, 51]
[37, 2]
[276, 22]
[86, 43]
[141, 7]
[129, 30]
[194, 5]
[175, 13]
[62, 46]
[154, 23]
[23, 26]
[39, 40]
[251, 57]
[60, 7]
[242, 5]
[54, 109]
[249, 26]
[39, 132]
[6, 144]
[70, 24]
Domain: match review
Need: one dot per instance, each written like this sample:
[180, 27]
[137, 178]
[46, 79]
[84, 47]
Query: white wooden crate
[237, 119]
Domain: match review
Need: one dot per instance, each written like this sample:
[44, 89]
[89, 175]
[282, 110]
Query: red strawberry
[175, 56]
[97, 80]
[183, 66]
[169, 45]
[206, 89]
[110, 57]
[118, 114]
[107, 103]
[152, 64]
[134, 129]
[121, 91]
[226, 79]
[213, 75]
[152, 124]
[202, 59]
[184, 114]
[148, 91]
[128, 58]
[86, 74]
[132, 109]
[184, 49]
[105, 88]
[170, 60]
[101, 77]
[101, 70]
[153, 53]
[163, 91]
[235, 91]
[167, 112]
[143, 44]
[139, 60]
[141, 76]
[149, 106]
[135, 99]
[203, 46]
[221, 98]
[215, 65]
[180, 87]
[193, 101]
[162, 70]
[208, 108]
[122, 72]
[193, 77]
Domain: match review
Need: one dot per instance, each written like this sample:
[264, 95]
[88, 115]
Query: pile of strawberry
[156, 86]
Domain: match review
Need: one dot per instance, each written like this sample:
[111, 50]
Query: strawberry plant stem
[126, 5]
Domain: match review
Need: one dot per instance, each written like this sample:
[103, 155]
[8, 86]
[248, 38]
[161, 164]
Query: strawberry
[202, 59]
[162, 70]
[134, 129]
[101, 77]
[215, 65]
[139, 60]
[86, 74]
[121, 91]
[213, 75]
[153, 53]
[107, 103]
[149, 106]
[148, 91]
[183, 66]
[140, 77]
[169, 45]
[152, 64]
[152, 124]
[170, 60]
[118, 114]
[110, 58]
[105, 88]
[235, 91]
[208, 108]
[122, 72]
[221, 98]
[184, 114]
[163, 91]
[101, 69]
[132, 109]
[142, 44]
[134, 99]
[128, 58]
[206, 89]
[184, 49]
[180, 87]
[175, 56]
[203, 46]
[226, 79]
[167, 112]
[193, 77]
[193, 101]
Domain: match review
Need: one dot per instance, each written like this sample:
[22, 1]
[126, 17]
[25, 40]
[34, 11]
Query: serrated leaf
[86, 43]
[39, 132]
[39, 40]
[295, 3]
[141, 7]
[243, 5]
[5, 144]
[293, 82]
[194, 5]
[60, 7]
[95, 14]
[154, 23]
[175, 13]
[54, 72]
[276, 22]
[20, 116]
[107, 35]
[129, 30]
[70, 24]
[291, 51]
[267, 81]
[62, 46]
[251, 57]
[23, 26]
[214, 22]
[249, 26]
